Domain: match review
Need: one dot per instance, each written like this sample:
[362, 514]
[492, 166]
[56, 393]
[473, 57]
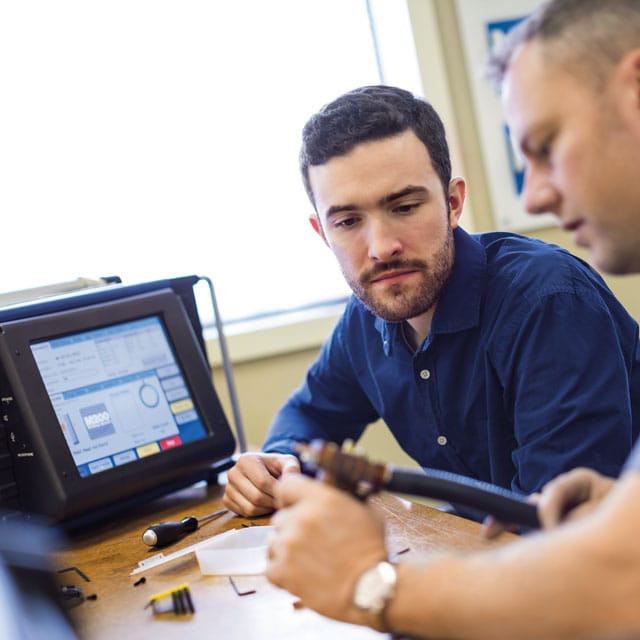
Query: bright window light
[157, 138]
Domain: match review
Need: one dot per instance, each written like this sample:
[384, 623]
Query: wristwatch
[375, 587]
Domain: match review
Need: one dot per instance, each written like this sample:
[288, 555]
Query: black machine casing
[37, 472]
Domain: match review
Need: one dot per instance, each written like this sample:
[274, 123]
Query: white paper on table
[238, 552]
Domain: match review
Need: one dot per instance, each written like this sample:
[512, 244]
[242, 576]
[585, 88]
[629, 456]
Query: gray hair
[587, 37]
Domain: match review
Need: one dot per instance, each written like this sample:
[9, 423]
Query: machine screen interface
[118, 393]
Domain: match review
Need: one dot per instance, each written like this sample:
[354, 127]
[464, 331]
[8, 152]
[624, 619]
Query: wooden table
[107, 554]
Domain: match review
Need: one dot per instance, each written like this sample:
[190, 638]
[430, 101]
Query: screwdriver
[164, 533]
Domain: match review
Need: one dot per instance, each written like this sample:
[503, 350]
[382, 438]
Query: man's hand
[566, 497]
[571, 495]
[324, 540]
[251, 482]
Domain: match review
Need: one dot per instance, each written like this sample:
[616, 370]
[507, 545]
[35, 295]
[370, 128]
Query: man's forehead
[393, 162]
[524, 87]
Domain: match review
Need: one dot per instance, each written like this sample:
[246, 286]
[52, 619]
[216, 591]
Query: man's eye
[405, 208]
[345, 222]
[542, 152]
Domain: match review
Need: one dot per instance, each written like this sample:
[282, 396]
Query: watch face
[375, 587]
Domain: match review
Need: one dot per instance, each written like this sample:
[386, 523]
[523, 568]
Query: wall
[263, 385]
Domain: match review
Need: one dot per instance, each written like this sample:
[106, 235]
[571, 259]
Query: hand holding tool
[354, 473]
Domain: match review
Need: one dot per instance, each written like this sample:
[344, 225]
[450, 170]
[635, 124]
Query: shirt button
[442, 440]
[425, 374]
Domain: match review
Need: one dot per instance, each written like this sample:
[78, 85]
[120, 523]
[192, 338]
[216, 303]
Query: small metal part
[352, 472]
[80, 573]
[247, 592]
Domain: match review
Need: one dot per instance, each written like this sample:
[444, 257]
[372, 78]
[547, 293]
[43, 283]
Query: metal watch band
[375, 587]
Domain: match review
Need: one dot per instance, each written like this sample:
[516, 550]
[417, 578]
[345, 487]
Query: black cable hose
[501, 503]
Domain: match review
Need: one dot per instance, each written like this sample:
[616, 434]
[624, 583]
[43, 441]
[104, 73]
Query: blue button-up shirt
[529, 370]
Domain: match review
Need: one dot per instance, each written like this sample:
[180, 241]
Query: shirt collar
[459, 304]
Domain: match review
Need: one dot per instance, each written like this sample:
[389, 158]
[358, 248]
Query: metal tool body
[356, 474]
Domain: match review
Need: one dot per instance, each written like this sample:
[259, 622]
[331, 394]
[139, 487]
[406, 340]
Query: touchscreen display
[118, 393]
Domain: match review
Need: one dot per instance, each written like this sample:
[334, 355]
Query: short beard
[405, 304]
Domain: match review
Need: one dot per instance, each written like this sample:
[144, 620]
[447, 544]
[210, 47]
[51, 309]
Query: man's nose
[538, 193]
[383, 241]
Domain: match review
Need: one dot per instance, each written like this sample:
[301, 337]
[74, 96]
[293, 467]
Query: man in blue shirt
[570, 82]
[495, 356]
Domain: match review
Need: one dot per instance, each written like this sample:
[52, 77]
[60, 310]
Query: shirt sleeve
[567, 383]
[330, 404]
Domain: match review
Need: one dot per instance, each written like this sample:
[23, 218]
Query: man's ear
[457, 193]
[628, 77]
[317, 227]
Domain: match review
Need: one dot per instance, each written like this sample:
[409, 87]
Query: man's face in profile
[582, 155]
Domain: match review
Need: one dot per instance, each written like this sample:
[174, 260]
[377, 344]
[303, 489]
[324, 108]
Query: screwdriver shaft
[212, 516]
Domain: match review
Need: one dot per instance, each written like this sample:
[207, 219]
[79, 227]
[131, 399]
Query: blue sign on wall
[495, 32]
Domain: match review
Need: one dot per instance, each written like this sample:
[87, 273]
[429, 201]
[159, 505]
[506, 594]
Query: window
[159, 138]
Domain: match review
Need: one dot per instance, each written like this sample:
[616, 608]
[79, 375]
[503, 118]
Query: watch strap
[375, 587]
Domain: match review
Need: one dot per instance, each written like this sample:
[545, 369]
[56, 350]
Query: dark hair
[367, 114]
[587, 37]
